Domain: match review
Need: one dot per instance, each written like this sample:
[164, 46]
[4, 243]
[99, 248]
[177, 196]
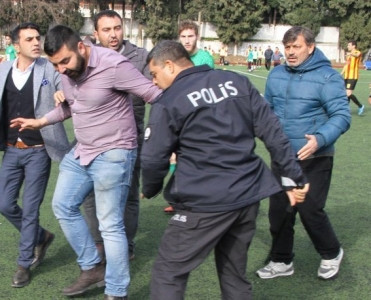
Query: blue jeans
[109, 174]
[30, 167]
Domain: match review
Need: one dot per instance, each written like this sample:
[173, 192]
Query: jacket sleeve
[160, 140]
[335, 103]
[268, 128]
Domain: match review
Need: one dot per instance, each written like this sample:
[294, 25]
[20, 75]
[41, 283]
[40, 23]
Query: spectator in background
[276, 57]
[10, 51]
[351, 73]
[255, 58]
[260, 57]
[250, 59]
[188, 36]
[268, 58]
[223, 52]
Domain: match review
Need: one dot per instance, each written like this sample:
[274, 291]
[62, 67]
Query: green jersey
[10, 53]
[202, 57]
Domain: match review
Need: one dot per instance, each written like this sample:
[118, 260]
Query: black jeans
[311, 211]
[188, 240]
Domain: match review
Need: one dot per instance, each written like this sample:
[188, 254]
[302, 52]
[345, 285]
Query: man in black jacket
[210, 119]
[109, 33]
[268, 58]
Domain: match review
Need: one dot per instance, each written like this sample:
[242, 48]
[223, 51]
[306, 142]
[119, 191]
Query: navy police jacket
[210, 119]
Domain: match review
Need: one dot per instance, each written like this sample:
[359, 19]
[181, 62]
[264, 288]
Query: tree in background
[41, 12]
[272, 11]
[162, 19]
[304, 13]
[236, 21]
[354, 19]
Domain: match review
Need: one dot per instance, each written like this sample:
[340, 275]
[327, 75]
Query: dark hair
[105, 13]
[187, 24]
[168, 50]
[353, 42]
[15, 33]
[292, 34]
[59, 36]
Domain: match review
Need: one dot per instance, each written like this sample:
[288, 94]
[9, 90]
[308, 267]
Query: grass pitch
[348, 207]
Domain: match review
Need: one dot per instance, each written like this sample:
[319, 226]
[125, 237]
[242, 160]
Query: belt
[21, 145]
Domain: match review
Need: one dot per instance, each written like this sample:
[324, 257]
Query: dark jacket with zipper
[210, 119]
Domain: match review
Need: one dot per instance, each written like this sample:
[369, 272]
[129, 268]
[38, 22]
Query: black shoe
[108, 297]
[40, 249]
[21, 278]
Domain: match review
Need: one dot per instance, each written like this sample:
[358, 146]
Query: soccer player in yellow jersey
[351, 73]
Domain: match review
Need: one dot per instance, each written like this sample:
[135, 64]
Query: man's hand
[297, 195]
[310, 147]
[59, 97]
[32, 124]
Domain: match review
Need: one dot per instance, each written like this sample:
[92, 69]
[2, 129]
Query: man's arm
[334, 101]
[129, 79]
[58, 114]
[268, 128]
[32, 124]
[159, 142]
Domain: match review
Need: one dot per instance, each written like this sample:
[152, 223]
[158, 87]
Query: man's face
[29, 44]
[188, 39]
[8, 40]
[68, 62]
[162, 75]
[350, 47]
[297, 52]
[109, 32]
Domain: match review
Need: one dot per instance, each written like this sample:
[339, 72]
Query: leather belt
[22, 145]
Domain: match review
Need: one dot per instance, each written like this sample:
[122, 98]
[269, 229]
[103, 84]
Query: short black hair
[105, 13]
[292, 34]
[15, 33]
[353, 42]
[59, 36]
[168, 50]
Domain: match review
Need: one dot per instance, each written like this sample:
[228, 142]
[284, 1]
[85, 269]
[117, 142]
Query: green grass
[348, 206]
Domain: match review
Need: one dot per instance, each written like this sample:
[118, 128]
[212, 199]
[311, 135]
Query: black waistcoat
[19, 103]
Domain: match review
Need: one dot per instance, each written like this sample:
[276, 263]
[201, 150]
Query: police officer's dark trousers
[188, 240]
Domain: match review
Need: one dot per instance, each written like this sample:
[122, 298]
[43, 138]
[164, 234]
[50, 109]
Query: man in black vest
[27, 86]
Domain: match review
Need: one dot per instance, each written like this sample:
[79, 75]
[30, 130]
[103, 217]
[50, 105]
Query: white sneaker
[275, 269]
[329, 268]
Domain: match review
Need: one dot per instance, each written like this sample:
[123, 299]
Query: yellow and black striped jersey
[352, 66]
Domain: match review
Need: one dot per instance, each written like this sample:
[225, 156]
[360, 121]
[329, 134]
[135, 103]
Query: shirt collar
[29, 68]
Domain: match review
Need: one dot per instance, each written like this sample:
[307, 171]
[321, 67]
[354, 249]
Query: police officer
[210, 118]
